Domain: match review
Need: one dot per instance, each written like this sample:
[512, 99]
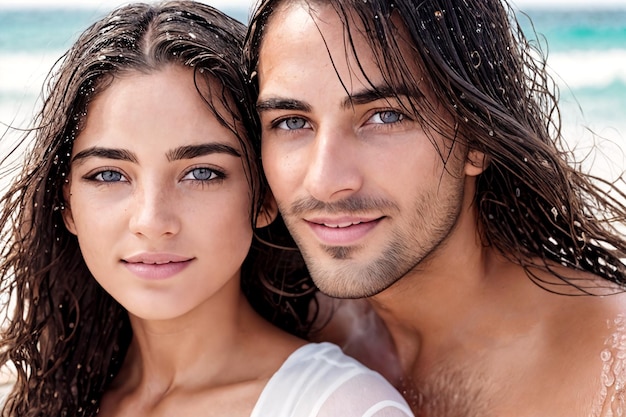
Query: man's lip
[156, 258]
[344, 231]
[341, 222]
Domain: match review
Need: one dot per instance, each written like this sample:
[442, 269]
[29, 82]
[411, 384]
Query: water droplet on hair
[491, 133]
[554, 212]
[438, 14]
[102, 57]
[192, 35]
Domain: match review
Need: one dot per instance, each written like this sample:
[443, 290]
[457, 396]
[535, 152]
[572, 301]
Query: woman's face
[158, 196]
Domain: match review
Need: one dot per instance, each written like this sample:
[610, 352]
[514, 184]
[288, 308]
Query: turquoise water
[587, 30]
[44, 29]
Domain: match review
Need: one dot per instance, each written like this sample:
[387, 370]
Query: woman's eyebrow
[183, 152]
[108, 153]
[194, 151]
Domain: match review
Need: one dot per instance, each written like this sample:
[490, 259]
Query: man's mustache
[352, 204]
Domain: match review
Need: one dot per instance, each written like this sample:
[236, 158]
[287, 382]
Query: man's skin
[378, 213]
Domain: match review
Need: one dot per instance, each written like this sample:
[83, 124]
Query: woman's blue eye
[109, 176]
[386, 117]
[201, 174]
[292, 123]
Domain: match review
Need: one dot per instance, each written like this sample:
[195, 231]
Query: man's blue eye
[388, 116]
[293, 123]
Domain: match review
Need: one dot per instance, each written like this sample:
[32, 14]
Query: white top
[319, 380]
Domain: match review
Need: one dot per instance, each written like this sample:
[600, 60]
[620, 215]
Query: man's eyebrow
[108, 153]
[278, 103]
[373, 94]
[194, 151]
[360, 97]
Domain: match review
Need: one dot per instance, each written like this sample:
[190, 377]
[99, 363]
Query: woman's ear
[66, 211]
[268, 212]
[476, 163]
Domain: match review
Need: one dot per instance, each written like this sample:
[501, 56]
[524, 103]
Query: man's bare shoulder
[611, 399]
[588, 341]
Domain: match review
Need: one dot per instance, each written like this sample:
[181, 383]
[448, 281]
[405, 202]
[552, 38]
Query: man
[413, 153]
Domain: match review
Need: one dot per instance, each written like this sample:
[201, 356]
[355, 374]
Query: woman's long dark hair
[64, 335]
[534, 204]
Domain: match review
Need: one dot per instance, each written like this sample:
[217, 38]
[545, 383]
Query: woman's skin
[159, 199]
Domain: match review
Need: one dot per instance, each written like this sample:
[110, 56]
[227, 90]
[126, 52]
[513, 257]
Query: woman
[128, 235]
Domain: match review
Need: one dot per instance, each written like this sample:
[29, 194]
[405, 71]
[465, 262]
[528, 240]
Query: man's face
[364, 191]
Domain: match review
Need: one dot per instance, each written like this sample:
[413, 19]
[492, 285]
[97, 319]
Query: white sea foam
[579, 69]
[21, 80]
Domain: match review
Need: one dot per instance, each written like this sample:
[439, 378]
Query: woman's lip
[156, 258]
[157, 271]
[342, 232]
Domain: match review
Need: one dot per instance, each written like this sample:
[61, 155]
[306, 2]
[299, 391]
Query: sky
[109, 4]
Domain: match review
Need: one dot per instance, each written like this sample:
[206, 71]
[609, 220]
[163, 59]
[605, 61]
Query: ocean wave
[25, 73]
[580, 69]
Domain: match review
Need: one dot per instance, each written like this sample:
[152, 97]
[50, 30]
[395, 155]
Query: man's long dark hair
[534, 204]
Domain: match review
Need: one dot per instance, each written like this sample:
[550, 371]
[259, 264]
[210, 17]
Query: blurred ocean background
[586, 48]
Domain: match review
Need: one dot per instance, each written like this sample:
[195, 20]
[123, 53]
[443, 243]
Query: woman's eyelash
[204, 174]
[106, 176]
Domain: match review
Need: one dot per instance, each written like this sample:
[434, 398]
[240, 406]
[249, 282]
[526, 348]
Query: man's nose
[333, 169]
